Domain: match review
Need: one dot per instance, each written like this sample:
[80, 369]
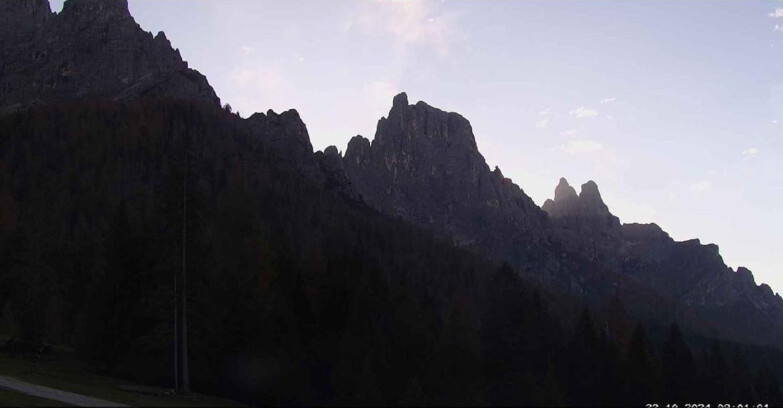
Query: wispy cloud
[545, 112]
[778, 13]
[247, 49]
[576, 147]
[568, 133]
[584, 113]
[702, 187]
[750, 153]
[607, 100]
[408, 22]
[778, 27]
[543, 123]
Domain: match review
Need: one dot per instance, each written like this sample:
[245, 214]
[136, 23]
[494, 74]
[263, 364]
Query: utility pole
[176, 336]
[184, 383]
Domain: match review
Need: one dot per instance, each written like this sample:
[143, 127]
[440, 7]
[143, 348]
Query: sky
[674, 108]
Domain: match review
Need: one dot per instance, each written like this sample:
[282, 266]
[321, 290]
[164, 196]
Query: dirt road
[53, 394]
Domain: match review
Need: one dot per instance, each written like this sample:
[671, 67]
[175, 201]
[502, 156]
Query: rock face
[91, 48]
[424, 166]
[689, 273]
[584, 222]
[332, 167]
[693, 273]
[286, 133]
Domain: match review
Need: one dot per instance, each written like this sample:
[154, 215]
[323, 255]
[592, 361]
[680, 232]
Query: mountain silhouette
[405, 271]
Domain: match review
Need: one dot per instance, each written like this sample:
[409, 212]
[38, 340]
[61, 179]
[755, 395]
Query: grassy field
[66, 374]
[10, 398]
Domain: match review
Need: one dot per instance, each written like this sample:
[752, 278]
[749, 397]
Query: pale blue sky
[675, 108]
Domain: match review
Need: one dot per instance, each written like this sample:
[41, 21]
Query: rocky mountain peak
[590, 190]
[409, 128]
[286, 133]
[583, 222]
[94, 8]
[93, 48]
[591, 199]
[24, 8]
[358, 149]
[745, 275]
[331, 151]
[424, 166]
[564, 191]
[568, 204]
[400, 100]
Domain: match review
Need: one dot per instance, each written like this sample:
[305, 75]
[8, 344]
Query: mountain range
[422, 168]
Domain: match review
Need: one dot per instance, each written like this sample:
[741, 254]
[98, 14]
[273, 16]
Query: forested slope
[298, 294]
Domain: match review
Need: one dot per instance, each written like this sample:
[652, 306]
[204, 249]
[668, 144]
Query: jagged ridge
[92, 48]
[424, 165]
[688, 272]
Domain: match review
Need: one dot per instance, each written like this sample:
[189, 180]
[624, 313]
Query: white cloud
[546, 112]
[568, 133]
[299, 58]
[576, 147]
[778, 27]
[778, 13]
[607, 100]
[750, 153]
[582, 112]
[408, 22]
[543, 123]
[248, 49]
[702, 187]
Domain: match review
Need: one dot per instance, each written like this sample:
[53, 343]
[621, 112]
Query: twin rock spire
[567, 202]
